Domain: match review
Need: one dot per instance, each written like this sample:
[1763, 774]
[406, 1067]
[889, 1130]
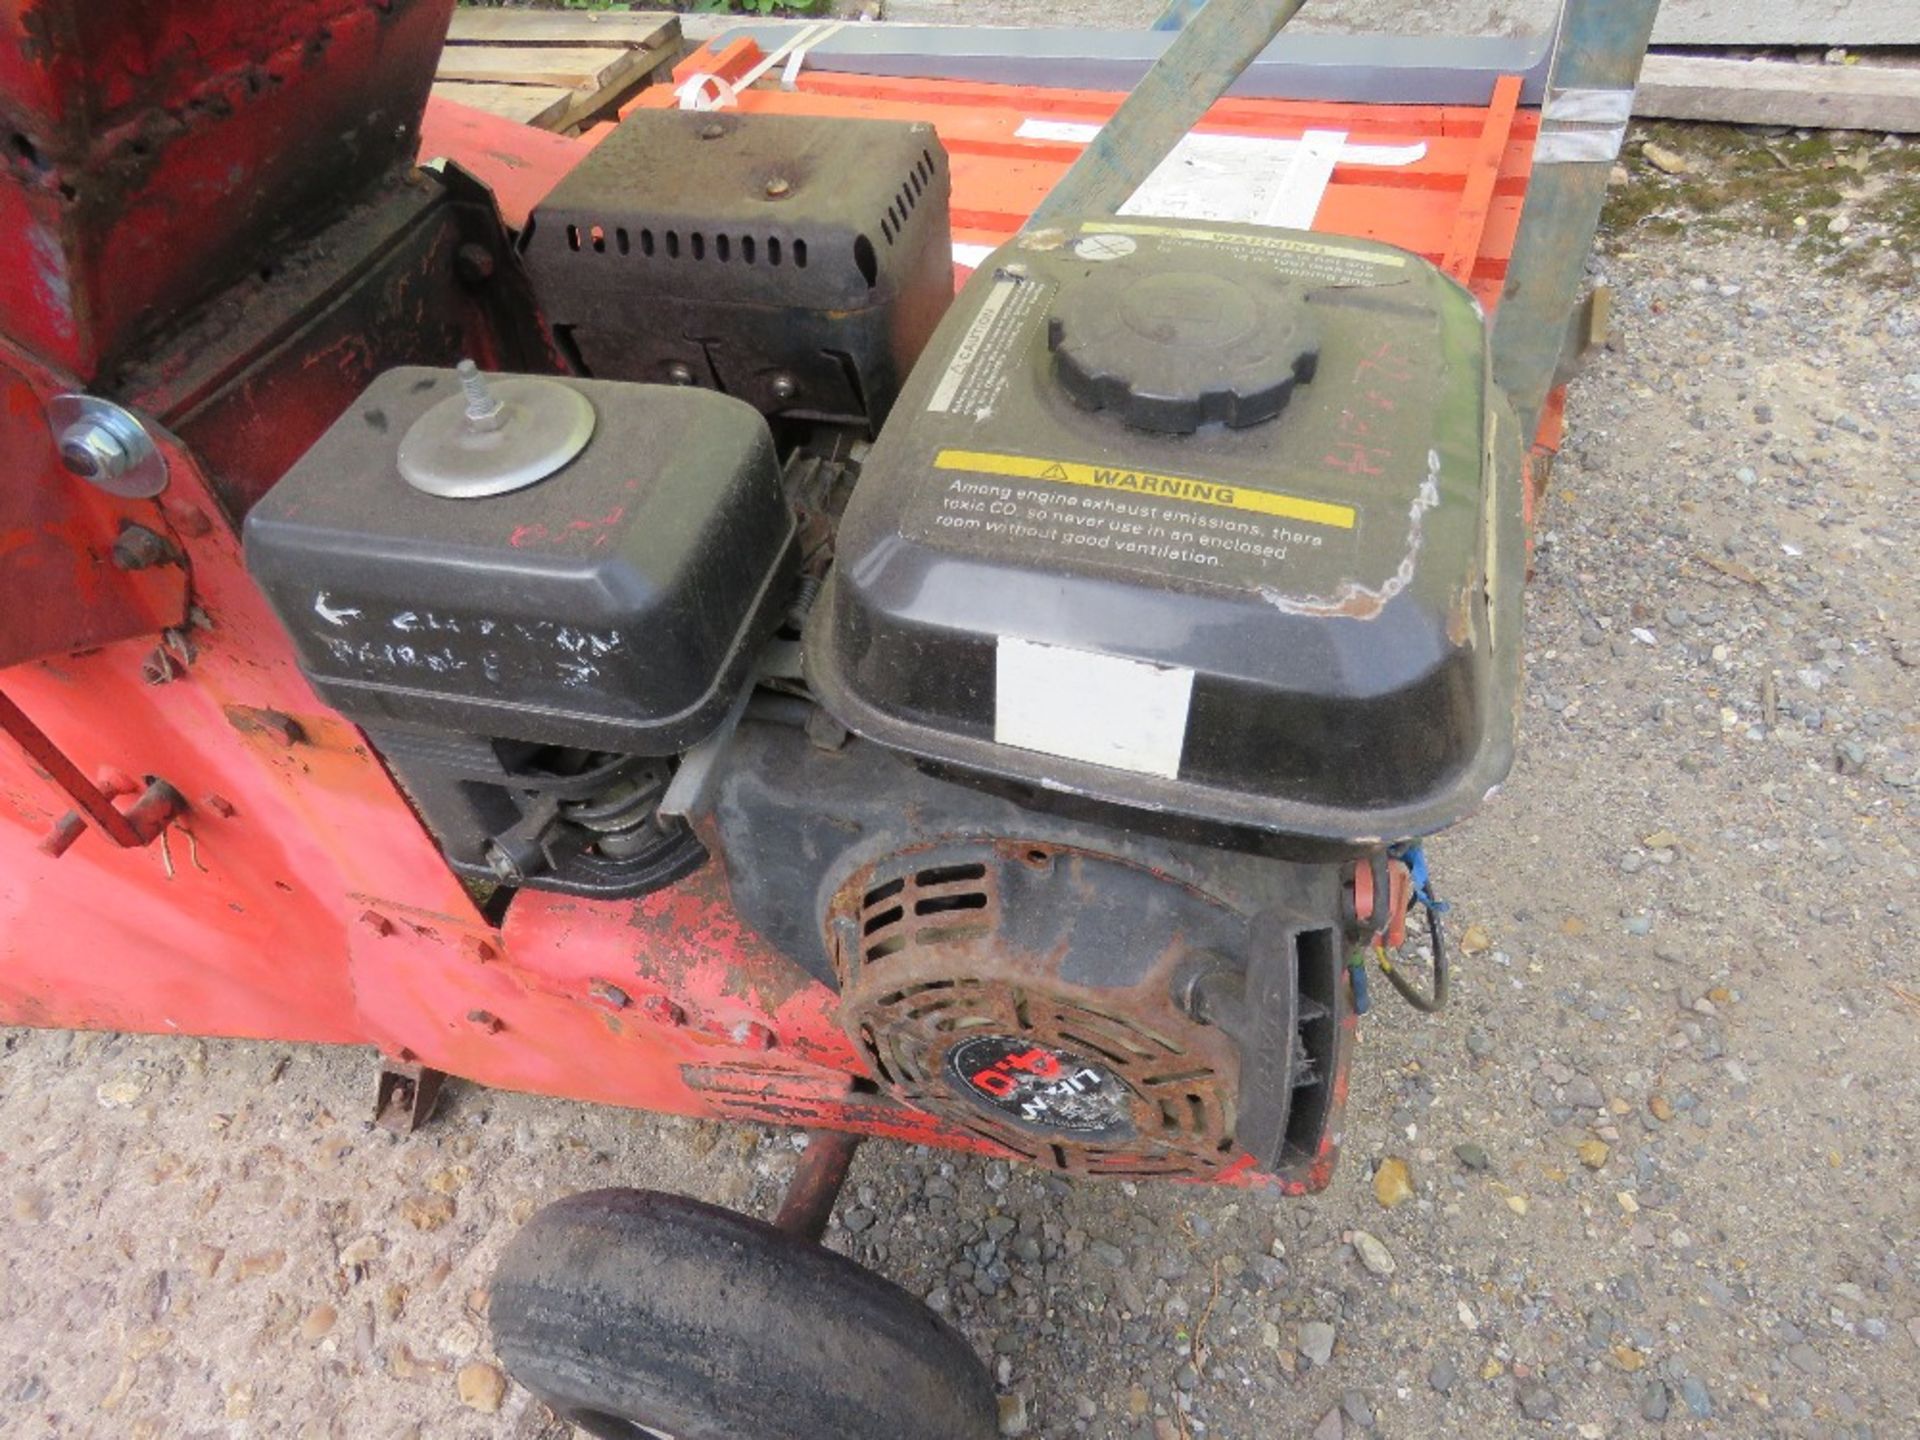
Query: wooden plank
[592, 81]
[1476, 199]
[1770, 92]
[536, 105]
[576, 67]
[633, 31]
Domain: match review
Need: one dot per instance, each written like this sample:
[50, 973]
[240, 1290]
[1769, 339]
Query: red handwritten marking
[540, 534]
[1356, 459]
[1389, 360]
[1356, 453]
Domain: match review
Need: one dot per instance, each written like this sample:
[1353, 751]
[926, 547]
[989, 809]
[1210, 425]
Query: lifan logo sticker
[1042, 1088]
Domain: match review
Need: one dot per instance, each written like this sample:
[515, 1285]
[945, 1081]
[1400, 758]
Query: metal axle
[816, 1184]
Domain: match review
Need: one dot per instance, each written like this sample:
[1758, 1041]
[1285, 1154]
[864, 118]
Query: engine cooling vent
[797, 262]
[645, 243]
[941, 905]
[893, 224]
[956, 992]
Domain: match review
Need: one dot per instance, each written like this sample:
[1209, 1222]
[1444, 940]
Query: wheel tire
[633, 1313]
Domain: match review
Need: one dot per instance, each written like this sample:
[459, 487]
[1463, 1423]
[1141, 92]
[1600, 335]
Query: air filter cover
[614, 605]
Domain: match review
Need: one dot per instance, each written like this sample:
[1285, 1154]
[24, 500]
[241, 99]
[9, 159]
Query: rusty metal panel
[60, 586]
[419, 272]
[149, 149]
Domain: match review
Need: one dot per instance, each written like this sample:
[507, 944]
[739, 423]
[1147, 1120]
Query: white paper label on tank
[1081, 705]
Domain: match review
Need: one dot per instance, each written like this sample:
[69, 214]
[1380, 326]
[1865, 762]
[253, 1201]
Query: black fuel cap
[1171, 346]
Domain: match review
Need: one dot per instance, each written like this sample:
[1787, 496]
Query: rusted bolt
[505, 868]
[474, 263]
[158, 668]
[138, 548]
[60, 839]
[274, 725]
[777, 187]
[752, 1035]
[824, 732]
[662, 1011]
[485, 1021]
[376, 922]
[221, 806]
[609, 994]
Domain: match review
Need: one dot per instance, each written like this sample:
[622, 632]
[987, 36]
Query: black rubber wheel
[633, 1313]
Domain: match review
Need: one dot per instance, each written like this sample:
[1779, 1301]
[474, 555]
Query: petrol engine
[1050, 682]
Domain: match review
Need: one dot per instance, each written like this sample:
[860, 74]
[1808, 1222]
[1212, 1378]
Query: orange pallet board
[1458, 205]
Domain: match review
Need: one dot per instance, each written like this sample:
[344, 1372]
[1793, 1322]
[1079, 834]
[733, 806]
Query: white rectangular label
[1080, 705]
[969, 349]
[1245, 179]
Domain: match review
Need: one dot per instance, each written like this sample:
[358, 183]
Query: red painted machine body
[223, 235]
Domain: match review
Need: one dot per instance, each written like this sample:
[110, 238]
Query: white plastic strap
[790, 76]
[1296, 202]
[710, 92]
[706, 92]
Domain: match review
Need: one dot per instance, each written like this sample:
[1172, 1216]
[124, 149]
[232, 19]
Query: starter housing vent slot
[798, 262]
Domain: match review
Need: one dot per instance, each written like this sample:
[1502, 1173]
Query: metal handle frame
[1598, 49]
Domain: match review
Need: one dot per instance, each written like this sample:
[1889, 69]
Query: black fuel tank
[1216, 521]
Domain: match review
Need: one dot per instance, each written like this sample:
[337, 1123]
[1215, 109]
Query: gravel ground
[1659, 1152]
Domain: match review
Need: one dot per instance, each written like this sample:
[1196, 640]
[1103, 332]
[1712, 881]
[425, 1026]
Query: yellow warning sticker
[1287, 244]
[1143, 482]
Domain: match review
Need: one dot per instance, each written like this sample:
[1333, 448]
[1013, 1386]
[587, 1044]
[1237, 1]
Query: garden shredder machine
[648, 640]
